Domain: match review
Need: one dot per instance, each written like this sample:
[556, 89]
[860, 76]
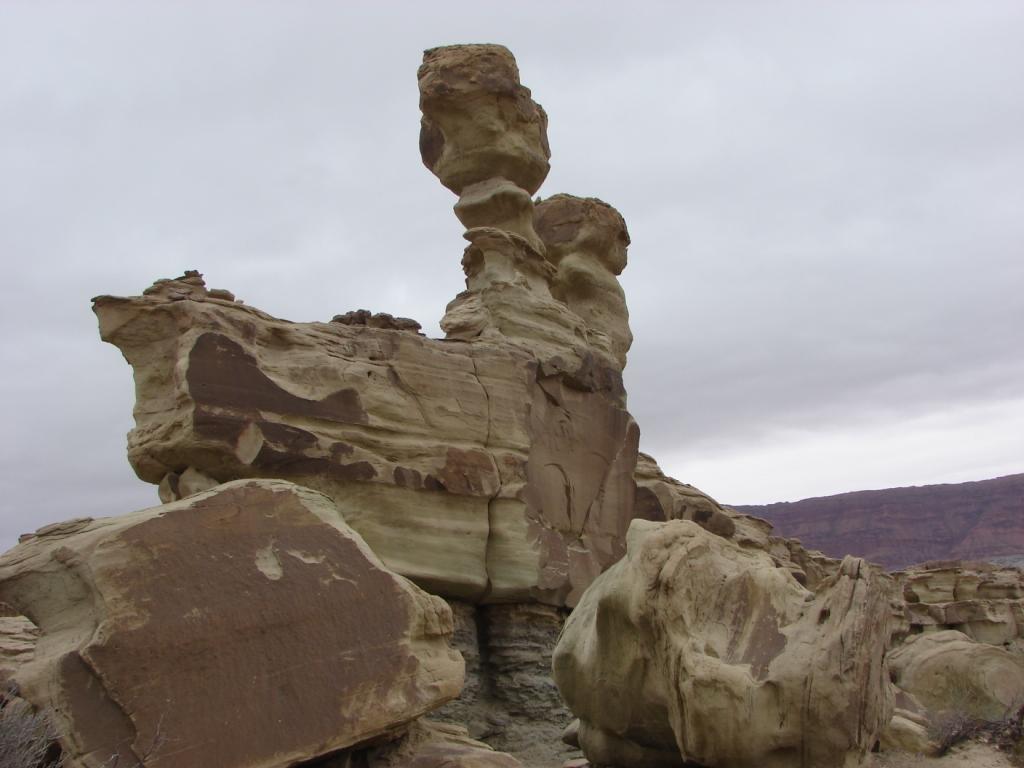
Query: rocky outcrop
[693, 648]
[948, 672]
[474, 469]
[981, 600]
[898, 527]
[245, 626]
[660, 498]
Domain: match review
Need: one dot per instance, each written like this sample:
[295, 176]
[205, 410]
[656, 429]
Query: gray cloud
[824, 201]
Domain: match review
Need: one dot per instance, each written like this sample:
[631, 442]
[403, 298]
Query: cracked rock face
[692, 648]
[290, 639]
[475, 469]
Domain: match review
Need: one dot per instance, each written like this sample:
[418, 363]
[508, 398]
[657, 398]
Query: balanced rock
[479, 122]
[244, 626]
[692, 648]
[485, 138]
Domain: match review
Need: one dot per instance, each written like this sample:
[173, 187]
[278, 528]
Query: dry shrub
[27, 738]
[1006, 733]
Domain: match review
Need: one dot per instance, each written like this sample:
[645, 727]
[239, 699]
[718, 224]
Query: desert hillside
[896, 527]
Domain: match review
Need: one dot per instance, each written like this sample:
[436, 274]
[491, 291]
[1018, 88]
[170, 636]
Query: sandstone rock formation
[982, 600]
[475, 469]
[947, 671]
[497, 468]
[586, 240]
[693, 648]
[898, 527]
[245, 626]
[494, 466]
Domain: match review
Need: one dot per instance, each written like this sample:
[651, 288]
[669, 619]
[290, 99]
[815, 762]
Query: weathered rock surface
[695, 648]
[244, 626]
[509, 698]
[949, 672]
[472, 468]
[479, 122]
[430, 745]
[982, 600]
[586, 240]
[18, 638]
[898, 527]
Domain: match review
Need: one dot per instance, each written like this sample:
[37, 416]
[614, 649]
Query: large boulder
[245, 626]
[473, 468]
[693, 648]
[949, 672]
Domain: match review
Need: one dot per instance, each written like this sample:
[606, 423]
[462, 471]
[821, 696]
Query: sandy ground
[973, 755]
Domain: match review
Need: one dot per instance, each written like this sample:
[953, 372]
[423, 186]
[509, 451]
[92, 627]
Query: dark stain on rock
[100, 724]
[469, 473]
[281, 464]
[341, 449]
[647, 506]
[222, 374]
[287, 436]
[431, 142]
[218, 426]
[408, 478]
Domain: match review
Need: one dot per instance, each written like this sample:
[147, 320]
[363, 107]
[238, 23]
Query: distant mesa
[897, 527]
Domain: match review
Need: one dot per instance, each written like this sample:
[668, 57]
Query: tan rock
[694, 648]
[586, 239]
[475, 469]
[18, 638]
[479, 122]
[949, 672]
[437, 745]
[982, 600]
[244, 626]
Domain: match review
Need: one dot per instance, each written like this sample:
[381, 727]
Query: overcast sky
[826, 202]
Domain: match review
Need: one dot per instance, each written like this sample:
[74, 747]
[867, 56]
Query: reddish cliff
[901, 526]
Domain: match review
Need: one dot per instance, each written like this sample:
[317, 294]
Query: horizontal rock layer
[474, 468]
[981, 600]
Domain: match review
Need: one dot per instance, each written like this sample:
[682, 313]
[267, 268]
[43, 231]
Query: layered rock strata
[246, 626]
[981, 600]
[475, 469]
[509, 697]
[693, 648]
